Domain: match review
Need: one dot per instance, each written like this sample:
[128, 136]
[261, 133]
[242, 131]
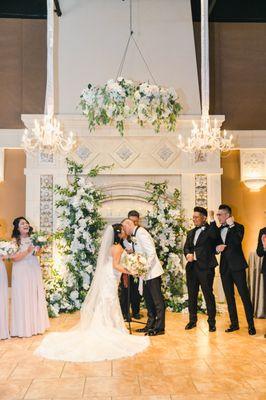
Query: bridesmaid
[29, 314]
[4, 331]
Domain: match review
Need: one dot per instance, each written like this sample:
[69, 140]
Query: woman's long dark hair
[117, 230]
[16, 233]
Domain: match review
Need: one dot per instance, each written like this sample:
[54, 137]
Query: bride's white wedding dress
[101, 333]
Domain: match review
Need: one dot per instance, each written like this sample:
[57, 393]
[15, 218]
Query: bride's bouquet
[136, 264]
[7, 249]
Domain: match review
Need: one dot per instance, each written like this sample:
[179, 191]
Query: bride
[101, 333]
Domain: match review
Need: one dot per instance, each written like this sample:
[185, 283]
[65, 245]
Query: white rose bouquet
[136, 264]
[39, 239]
[7, 249]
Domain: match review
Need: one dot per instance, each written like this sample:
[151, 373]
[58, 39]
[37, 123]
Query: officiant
[126, 280]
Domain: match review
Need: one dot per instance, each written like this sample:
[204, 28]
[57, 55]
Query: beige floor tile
[166, 385]
[187, 367]
[111, 386]
[55, 388]
[198, 396]
[222, 384]
[13, 390]
[142, 398]
[6, 368]
[87, 369]
[135, 367]
[258, 383]
[253, 396]
[44, 369]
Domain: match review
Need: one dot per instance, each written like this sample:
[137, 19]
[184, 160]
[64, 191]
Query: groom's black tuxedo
[201, 271]
[233, 271]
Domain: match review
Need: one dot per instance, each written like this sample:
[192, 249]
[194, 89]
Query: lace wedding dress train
[101, 333]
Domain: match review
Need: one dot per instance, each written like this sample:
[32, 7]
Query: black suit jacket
[260, 250]
[205, 246]
[233, 257]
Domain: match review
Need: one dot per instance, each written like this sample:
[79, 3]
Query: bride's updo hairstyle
[117, 230]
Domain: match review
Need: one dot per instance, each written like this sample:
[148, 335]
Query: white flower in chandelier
[124, 100]
[74, 295]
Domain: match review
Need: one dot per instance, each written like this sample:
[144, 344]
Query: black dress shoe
[212, 328]
[232, 329]
[126, 319]
[155, 332]
[190, 325]
[252, 330]
[143, 330]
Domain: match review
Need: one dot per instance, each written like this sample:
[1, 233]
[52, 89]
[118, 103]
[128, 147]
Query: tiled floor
[181, 365]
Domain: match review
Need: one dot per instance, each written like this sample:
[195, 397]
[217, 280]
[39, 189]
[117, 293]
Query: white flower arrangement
[77, 239]
[122, 100]
[167, 225]
[7, 249]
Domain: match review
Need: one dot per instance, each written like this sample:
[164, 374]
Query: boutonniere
[133, 240]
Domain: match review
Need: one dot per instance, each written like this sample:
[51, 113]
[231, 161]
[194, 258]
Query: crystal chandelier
[47, 136]
[204, 137]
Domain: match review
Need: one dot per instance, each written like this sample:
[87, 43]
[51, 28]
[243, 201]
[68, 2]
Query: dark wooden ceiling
[220, 10]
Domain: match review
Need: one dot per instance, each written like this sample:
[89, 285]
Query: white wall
[92, 35]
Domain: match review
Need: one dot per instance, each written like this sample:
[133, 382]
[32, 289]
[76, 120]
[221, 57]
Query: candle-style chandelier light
[47, 136]
[205, 137]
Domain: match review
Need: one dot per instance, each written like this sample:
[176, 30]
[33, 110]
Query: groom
[142, 242]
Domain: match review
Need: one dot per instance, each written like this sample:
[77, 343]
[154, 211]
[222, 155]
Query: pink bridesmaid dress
[29, 315]
[4, 331]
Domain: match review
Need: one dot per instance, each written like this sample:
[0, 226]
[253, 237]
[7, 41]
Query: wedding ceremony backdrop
[89, 42]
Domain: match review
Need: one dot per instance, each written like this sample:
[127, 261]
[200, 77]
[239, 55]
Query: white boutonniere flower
[133, 240]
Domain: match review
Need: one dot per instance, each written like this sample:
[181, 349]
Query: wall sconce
[254, 184]
[253, 168]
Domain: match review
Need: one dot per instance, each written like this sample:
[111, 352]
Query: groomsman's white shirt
[145, 244]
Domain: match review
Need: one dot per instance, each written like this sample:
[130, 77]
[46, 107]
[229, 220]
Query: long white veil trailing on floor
[101, 274]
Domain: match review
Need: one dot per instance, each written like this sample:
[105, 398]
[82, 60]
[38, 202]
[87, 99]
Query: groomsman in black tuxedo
[261, 251]
[199, 250]
[233, 267]
[126, 280]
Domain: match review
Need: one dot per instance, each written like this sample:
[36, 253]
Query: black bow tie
[200, 227]
[224, 226]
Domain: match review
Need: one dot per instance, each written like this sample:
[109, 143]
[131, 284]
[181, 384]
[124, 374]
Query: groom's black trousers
[155, 303]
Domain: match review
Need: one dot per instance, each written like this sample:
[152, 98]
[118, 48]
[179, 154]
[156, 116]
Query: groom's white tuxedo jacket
[143, 243]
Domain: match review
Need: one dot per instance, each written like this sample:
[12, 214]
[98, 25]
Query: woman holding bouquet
[4, 331]
[29, 314]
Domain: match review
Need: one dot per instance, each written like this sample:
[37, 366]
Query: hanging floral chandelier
[205, 137]
[47, 136]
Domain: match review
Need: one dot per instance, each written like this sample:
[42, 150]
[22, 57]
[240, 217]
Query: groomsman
[126, 280]
[233, 267]
[200, 252]
[261, 251]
